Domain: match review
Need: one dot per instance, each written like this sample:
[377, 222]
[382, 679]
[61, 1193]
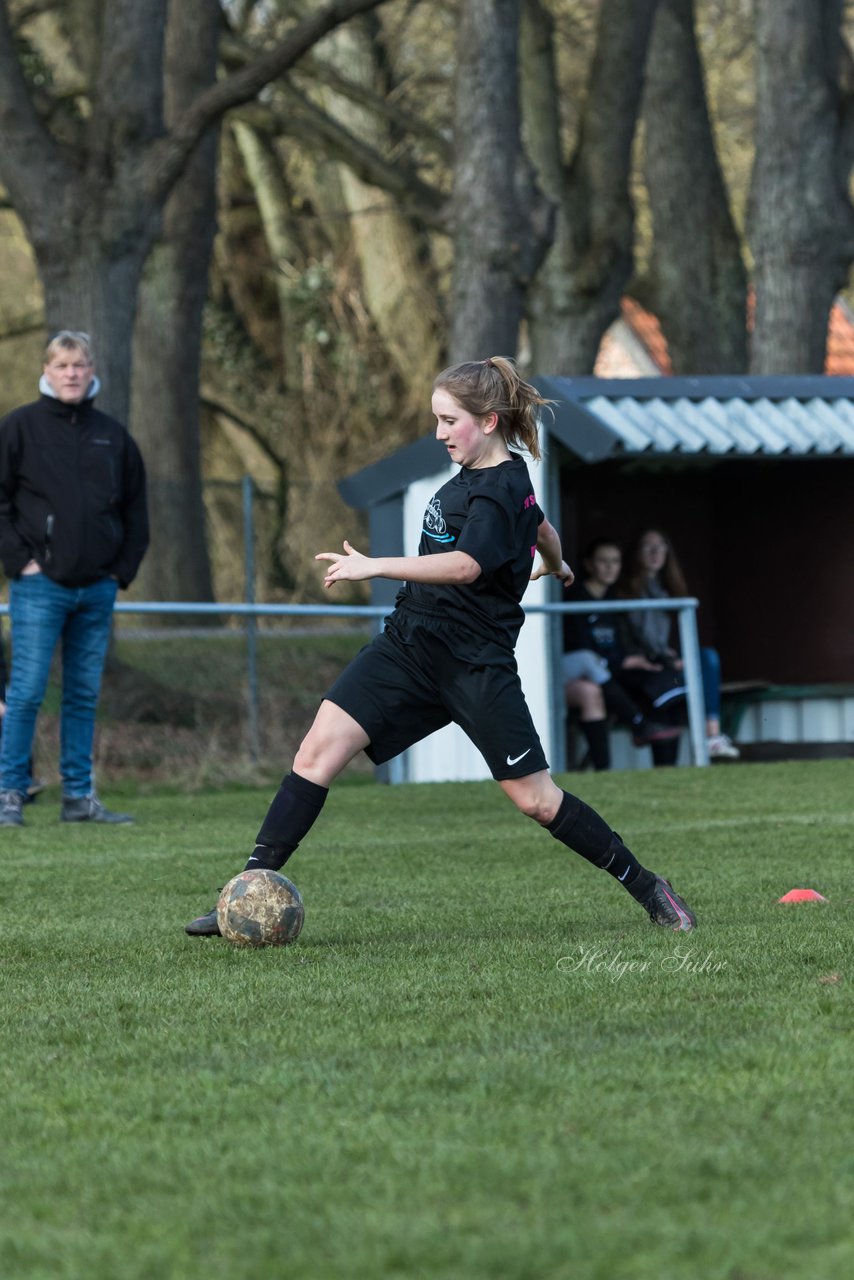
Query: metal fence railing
[685, 609]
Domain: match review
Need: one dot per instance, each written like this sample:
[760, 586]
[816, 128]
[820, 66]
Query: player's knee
[535, 805]
[318, 759]
[306, 760]
[534, 809]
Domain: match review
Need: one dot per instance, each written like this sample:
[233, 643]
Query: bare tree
[399, 286]
[577, 292]
[801, 225]
[91, 190]
[697, 282]
[91, 193]
[168, 329]
[502, 223]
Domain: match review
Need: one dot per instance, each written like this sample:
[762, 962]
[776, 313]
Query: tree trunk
[168, 335]
[801, 220]
[79, 204]
[577, 291]
[398, 288]
[698, 284]
[94, 290]
[502, 223]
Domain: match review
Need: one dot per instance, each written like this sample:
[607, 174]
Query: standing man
[73, 529]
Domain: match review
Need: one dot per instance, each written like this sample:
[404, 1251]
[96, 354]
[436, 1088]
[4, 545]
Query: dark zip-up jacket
[72, 494]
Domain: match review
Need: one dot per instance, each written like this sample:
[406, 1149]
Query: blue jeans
[42, 613]
[710, 664]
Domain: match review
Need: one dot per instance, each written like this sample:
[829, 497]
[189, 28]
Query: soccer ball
[260, 909]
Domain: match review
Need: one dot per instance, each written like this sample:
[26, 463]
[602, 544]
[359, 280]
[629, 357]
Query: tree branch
[417, 197]
[165, 158]
[28, 151]
[24, 13]
[236, 53]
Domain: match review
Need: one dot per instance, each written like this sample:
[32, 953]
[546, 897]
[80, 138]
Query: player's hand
[351, 567]
[564, 574]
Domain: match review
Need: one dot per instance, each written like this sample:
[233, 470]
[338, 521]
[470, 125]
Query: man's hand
[351, 567]
[30, 568]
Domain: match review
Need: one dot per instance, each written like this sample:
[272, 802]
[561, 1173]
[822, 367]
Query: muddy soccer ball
[260, 909]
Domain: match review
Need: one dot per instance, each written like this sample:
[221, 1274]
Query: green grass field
[478, 1060]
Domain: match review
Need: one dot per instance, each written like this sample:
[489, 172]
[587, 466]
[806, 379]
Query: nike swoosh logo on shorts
[516, 759]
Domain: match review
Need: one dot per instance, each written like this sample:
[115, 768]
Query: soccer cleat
[649, 732]
[10, 809]
[205, 926]
[89, 809]
[722, 747]
[667, 909]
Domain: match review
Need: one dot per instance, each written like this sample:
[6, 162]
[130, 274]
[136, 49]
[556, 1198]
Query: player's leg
[491, 707]
[581, 829]
[381, 703]
[333, 740]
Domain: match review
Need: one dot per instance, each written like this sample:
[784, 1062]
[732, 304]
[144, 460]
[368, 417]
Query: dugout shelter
[750, 477]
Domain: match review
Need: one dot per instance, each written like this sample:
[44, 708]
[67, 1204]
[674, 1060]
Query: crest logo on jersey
[434, 522]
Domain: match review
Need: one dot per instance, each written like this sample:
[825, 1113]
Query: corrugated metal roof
[731, 426]
[598, 418]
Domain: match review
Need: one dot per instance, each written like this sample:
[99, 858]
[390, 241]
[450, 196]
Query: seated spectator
[594, 662]
[654, 572]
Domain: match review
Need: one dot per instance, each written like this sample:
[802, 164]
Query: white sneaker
[722, 747]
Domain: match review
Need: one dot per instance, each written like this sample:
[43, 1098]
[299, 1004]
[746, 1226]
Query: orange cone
[802, 895]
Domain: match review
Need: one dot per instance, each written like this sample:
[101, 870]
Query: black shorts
[409, 682]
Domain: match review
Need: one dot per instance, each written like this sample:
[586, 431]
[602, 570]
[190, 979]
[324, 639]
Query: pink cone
[802, 895]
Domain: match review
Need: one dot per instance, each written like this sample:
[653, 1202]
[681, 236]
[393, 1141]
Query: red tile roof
[839, 357]
[644, 325]
[645, 328]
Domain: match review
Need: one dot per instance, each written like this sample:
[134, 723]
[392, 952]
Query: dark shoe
[666, 908]
[649, 732]
[89, 809]
[204, 926]
[10, 809]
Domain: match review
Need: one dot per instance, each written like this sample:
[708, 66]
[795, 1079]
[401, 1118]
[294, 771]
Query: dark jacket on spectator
[72, 493]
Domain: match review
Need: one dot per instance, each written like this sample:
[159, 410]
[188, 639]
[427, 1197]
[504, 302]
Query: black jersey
[601, 632]
[491, 513]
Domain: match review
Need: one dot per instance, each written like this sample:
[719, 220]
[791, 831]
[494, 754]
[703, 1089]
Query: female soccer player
[447, 651]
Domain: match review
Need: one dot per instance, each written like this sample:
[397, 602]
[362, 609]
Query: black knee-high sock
[292, 814]
[596, 733]
[581, 829]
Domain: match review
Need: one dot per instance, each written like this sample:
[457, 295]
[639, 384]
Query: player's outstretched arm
[551, 556]
[455, 567]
